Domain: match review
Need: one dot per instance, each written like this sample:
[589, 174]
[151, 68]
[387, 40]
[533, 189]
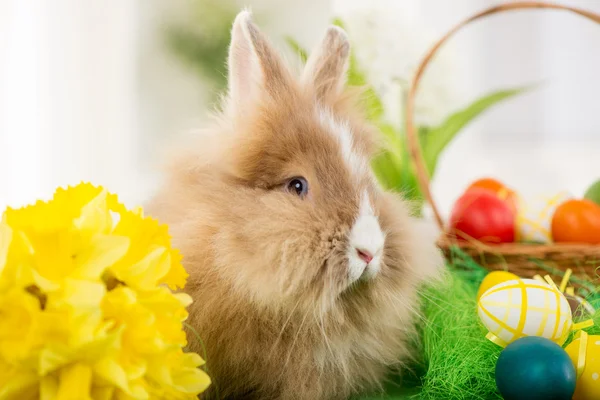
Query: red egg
[480, 214]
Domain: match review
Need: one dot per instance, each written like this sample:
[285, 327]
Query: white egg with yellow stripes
[534, 217]
[525, 307]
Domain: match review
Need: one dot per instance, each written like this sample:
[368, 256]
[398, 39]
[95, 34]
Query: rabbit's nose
[364, 255]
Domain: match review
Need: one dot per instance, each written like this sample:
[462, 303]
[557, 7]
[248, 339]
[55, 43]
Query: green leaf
[392, 137]
[388, 165]
[393, 167]
[436, 139]
[371, 101]
[338, 22]
[388, 170]
[302, 53]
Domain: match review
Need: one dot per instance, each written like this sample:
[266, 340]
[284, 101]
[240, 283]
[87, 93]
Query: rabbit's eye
[298, 186]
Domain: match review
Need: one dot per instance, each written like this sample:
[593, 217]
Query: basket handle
[411, 135]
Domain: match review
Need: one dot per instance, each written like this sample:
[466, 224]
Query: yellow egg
[494, 278]
[525, 307]
[534, 217]
[588, 384]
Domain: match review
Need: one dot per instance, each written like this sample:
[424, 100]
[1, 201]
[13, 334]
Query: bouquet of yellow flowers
[87, 309]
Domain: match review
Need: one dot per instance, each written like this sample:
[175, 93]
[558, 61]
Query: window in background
[68, 97]
[21, 113]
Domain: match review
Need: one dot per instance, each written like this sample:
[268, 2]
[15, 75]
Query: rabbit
[304, 272]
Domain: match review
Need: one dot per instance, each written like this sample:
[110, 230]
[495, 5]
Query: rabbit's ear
[254, 67]
[326, 67]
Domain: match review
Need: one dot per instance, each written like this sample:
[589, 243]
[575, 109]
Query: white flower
[388, 41]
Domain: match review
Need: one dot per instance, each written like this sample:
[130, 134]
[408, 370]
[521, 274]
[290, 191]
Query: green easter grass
[456, 361]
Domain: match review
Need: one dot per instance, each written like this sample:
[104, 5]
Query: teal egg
[535, 368]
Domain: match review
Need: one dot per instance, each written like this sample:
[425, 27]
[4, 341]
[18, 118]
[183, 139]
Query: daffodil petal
[191, 380]
[75, 383]
[19, 311]
[102, 252]
[25, 242]
[176, 277]
[114, 204]
[5, 241]
[49, 387]
[21, 385]
[103, 393]
[135, 369]
[85, 323]
[52, 359]
[191, 360]
[44, 284]
[139, 392]
[159, 370]
[149, 270]
[81, 293]
[184, 299]
[95, 215]
[111, 371]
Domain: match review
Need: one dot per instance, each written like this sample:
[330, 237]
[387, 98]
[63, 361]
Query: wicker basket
[523, 259]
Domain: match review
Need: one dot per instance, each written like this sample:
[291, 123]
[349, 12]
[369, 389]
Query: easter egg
[577, 221]
[497, 187]
[480, 214]
[494, 278]
[588, 384]
[525, 307]
[487, 183]
[534, 368]
[534, 217]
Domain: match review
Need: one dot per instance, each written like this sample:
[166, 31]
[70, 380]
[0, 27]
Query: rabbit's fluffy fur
[286, 305]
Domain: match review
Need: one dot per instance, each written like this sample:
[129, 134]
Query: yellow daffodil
[86, 307]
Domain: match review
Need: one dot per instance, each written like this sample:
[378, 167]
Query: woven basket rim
[518, 248]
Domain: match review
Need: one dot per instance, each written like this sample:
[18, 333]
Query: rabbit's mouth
[363, 267]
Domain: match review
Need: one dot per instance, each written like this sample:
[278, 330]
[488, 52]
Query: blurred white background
[89, 90]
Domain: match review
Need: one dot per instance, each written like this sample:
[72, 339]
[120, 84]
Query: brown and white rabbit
[304, 272]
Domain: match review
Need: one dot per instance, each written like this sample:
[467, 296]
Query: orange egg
[577, 221]
[501, 190]
[488, 183]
